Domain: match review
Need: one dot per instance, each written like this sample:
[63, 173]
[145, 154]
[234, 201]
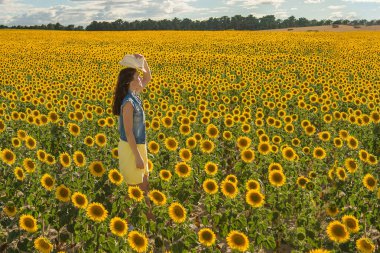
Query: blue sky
[82, 12]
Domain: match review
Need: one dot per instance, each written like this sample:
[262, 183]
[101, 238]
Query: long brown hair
[123, 81]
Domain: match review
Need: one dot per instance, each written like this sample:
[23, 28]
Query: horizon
[83, 12]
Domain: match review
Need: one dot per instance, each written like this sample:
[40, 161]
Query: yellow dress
[127, 163]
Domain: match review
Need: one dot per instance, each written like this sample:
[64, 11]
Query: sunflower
[157, 197]
[16, 142]
[74, 129]
[237, 240]
[177, 212]
[167, 122]
[97, 169]
[118, 226]
[43, 245]
[296, 142]
[153, 147]
[306, 150]
[276, 139]
[319, 153]
[254, 198]
[8, 156]
[341, 173]
[30, 142]
[206, 237]
[41, 155]
[246, 128]
[10, 210]
[89, 141]
[365, 245]
[96, 212]
[137, 241]
[338, 142]
[227, 135]
[350, 165]
[363, 155]
[351, 223]
[232, 178]
[63, 193]
[289, 128]
[372, 160]
[115, 177]
[343, 134]
[50, 160]
[22, 134]
[274, 166]
[101, 139]
[47, 182]
[229, 189]
[207, 146]
[243, 142]
[210, 186]
[264, 148]
[165, 175]
[171, 143]
[247, 155]
[64, 159]
[319, 251]
[115, 153]
[185, 129]
[135, 193]
[332, 210]
[212, 131]
[79, 158]
[252, 184]
[302, 181]
[277, 178]
[28, 222]
[289, 154]
[191, 142]
[211, 168]
[185, 154]
[324, 136]
[182, 169]
[369, 182]
[309, 130]
[29, 165]
[337, 232]
[79, 200]
[375, 117]
[352, 142]
[19, 173]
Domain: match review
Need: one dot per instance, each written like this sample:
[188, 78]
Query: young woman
[132, 148]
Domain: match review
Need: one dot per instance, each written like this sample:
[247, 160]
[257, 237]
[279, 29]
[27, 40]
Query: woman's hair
[123, 81]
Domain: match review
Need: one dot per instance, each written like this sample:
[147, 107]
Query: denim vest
[138, 119]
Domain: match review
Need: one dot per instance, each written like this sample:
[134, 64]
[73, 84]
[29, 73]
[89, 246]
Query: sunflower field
[257, 142]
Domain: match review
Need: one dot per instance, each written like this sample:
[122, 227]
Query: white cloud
[340, 15]
[83, 12]
[313, 1]
[336, 7]
[362, 1]
[281, 14]
[252, 4]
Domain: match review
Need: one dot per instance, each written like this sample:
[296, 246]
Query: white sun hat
[131, 61]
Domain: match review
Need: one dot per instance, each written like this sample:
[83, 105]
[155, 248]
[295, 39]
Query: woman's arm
[146, 75]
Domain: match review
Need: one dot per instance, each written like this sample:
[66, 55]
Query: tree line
[236, 22]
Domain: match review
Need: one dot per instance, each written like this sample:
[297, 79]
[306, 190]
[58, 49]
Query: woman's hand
[138, 56]
[139, 162]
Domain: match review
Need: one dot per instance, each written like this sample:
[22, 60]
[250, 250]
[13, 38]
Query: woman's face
[136, 84]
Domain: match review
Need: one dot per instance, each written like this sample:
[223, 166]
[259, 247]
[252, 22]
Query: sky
[83, 12]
